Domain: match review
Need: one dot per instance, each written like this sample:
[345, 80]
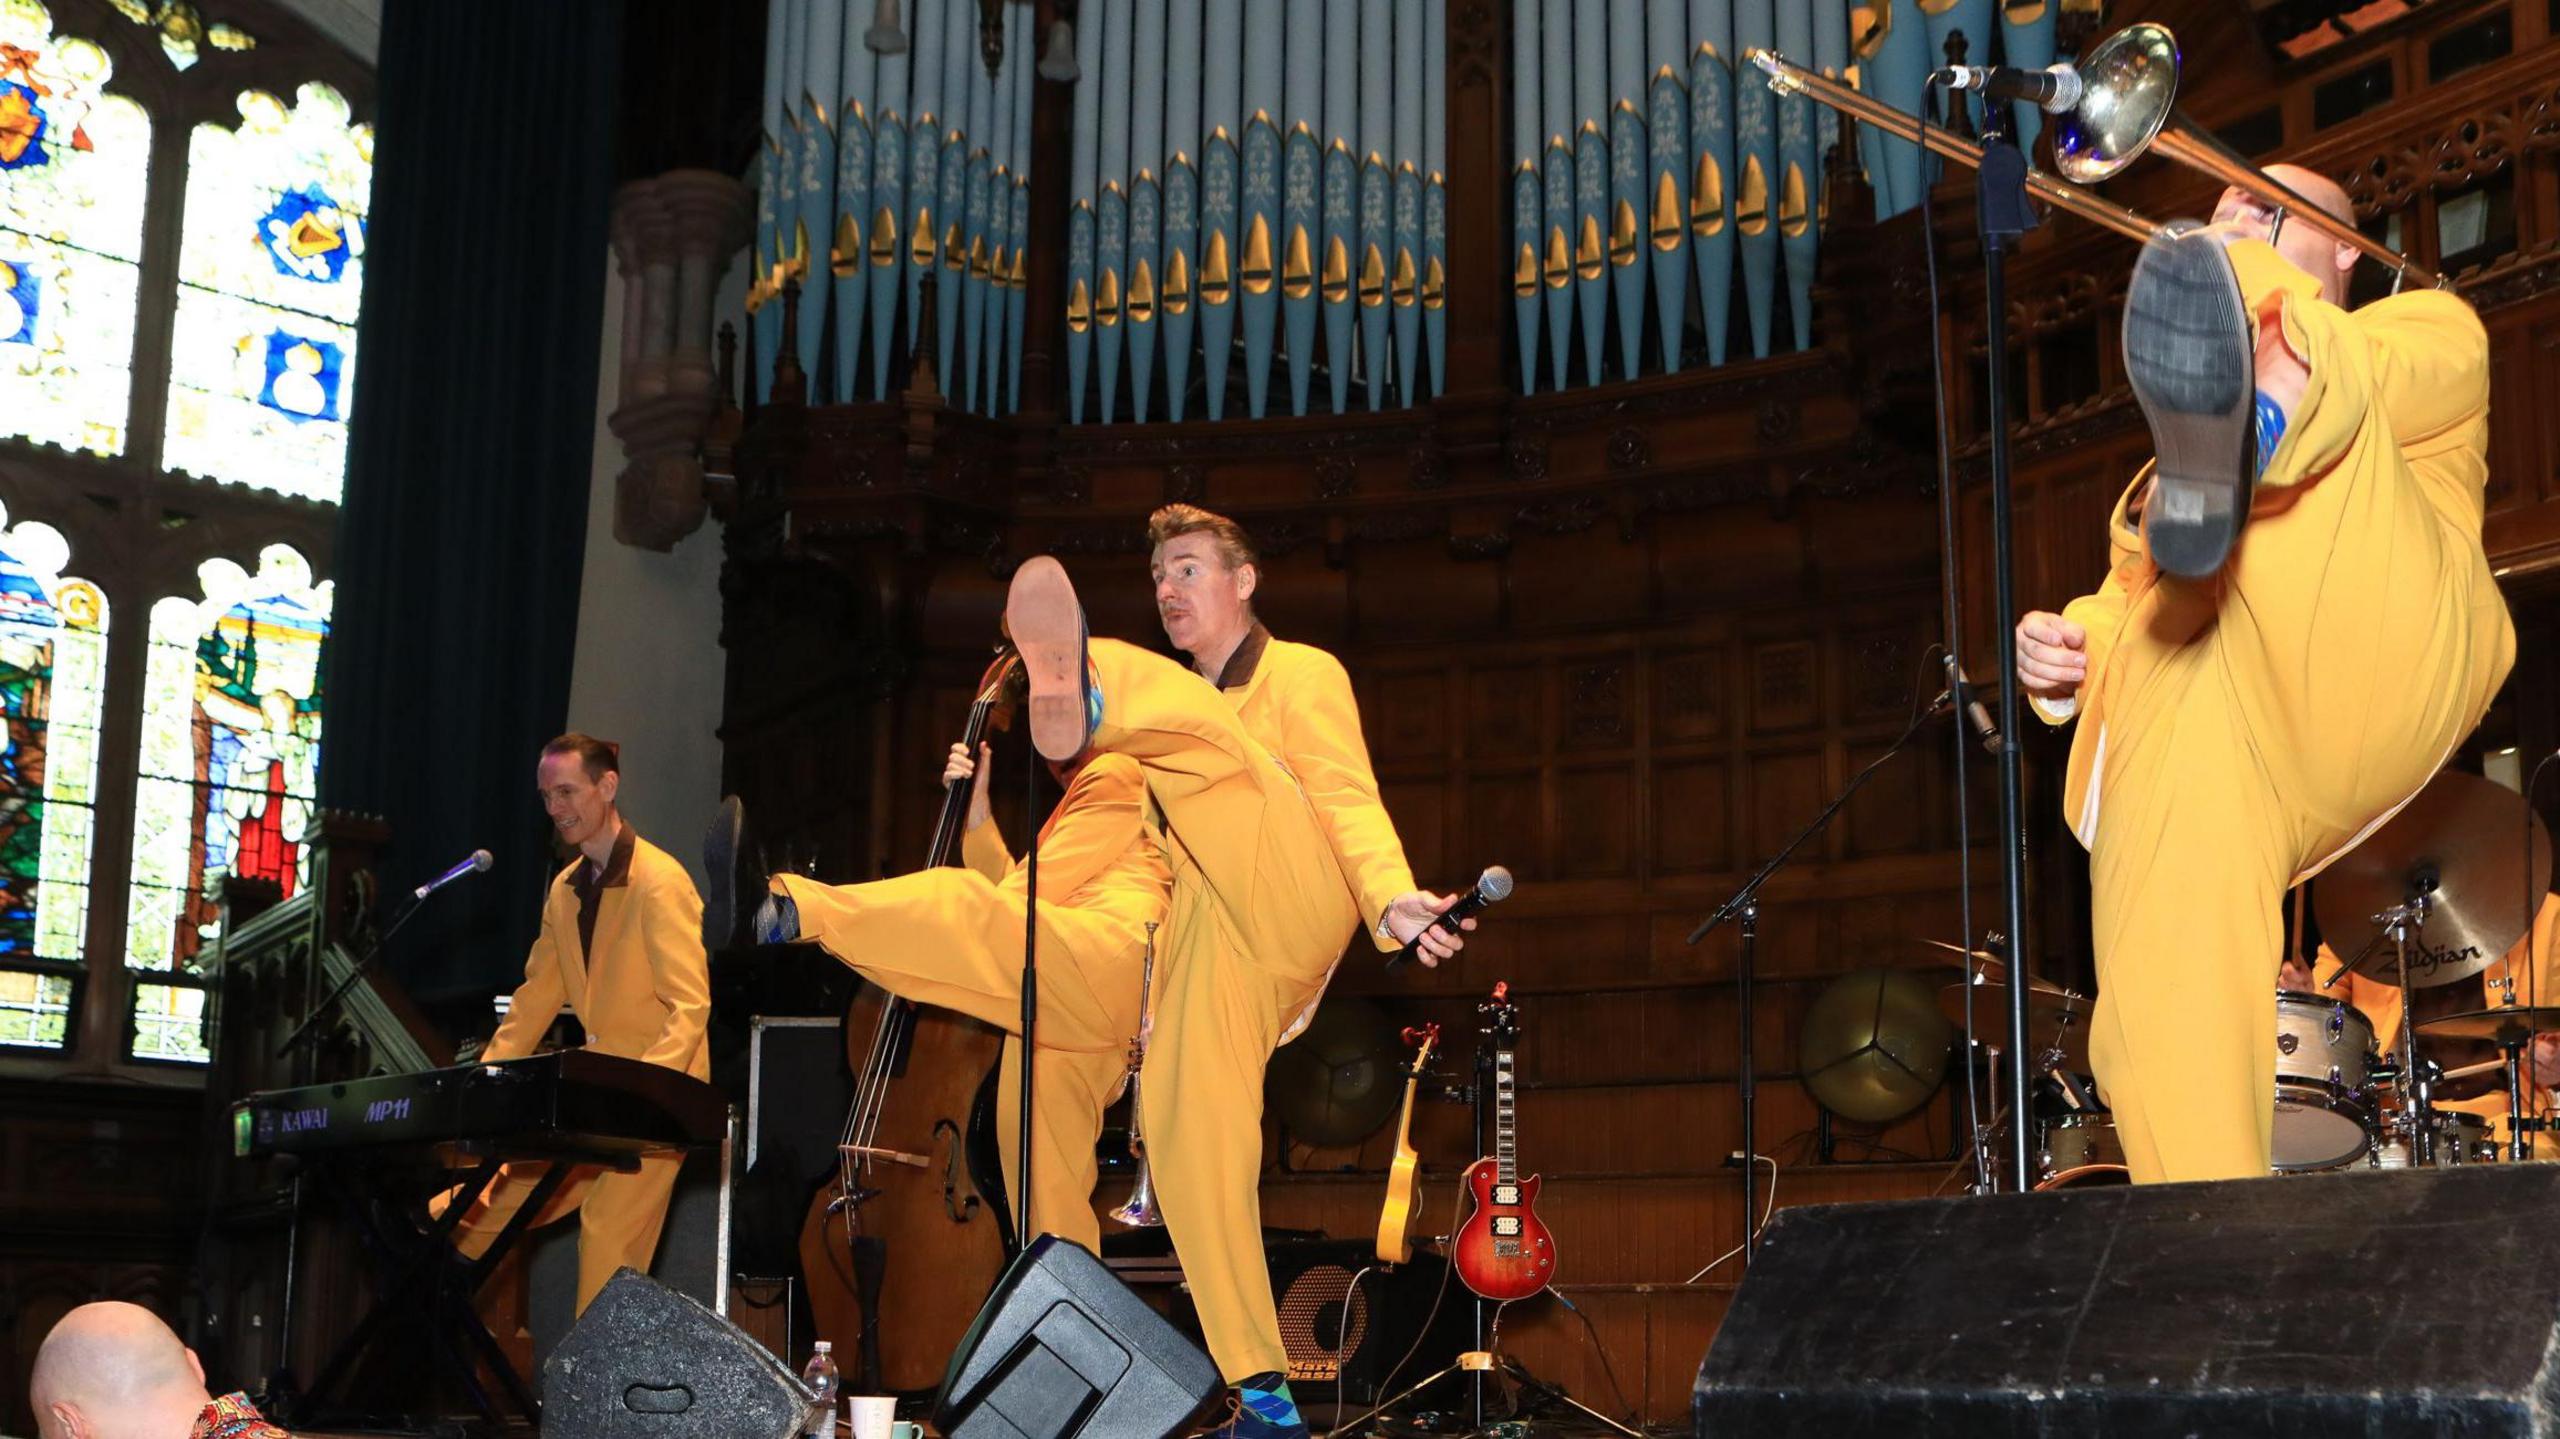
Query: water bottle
[820, 1376]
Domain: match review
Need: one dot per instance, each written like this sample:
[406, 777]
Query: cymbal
[2505, 1023]
[2057, 1018]
[2460, 845]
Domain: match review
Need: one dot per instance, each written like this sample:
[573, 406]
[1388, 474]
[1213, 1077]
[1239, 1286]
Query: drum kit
[2434, 897]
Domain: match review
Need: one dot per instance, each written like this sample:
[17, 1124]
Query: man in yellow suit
[1281, 851]
[2253, 701]
[953, 938]
[621, 947]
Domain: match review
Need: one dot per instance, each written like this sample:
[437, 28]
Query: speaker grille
[1322, 1322]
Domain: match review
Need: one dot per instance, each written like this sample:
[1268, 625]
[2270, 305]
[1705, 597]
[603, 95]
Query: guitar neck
[1506, 1160]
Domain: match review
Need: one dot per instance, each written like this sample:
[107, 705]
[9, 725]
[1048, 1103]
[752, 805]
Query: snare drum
[2324, 1070]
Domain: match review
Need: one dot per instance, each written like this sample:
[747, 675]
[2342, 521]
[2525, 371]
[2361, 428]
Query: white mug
[906, 1429]
[870, 1416]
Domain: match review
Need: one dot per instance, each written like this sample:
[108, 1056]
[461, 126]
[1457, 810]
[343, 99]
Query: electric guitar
[1503, 1251]
[1395, 1246]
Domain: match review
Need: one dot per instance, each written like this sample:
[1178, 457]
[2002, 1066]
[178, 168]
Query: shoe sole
[1047, 625]
[720, 847]
[2188, 356]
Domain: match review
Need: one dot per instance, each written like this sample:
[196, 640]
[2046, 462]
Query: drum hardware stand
[2420, 1111]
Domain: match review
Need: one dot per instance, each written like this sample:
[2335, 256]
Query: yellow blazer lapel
[573, 958]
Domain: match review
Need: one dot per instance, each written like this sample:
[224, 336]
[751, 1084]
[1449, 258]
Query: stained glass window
[74, 168]
[270, 272]
[53, 653]
[230, 752]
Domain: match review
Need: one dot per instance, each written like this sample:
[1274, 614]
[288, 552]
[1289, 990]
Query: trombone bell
[2129, 90]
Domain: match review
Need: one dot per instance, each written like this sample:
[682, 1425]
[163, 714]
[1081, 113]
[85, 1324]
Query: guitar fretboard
[1505, 1144]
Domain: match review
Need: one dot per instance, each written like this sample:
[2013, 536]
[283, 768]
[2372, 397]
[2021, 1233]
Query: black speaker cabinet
[645, 1362]
[1064, 1348]
[1343, 1343]
[2365, 1302]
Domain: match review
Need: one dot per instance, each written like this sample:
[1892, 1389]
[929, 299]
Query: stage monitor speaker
[2370, 1303]
[1063, 1348]
[645, 1362]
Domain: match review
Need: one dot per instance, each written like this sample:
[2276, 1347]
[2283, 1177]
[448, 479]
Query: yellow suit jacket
[1298, 703]
[645, 991]
[2429, 361]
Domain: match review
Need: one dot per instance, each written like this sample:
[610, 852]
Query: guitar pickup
[1506, 1194]
[1506, 1226]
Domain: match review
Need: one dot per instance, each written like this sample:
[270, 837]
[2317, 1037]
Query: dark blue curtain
[459, 548]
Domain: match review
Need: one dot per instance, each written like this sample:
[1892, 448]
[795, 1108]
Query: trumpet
[1139, 1211]
[2127, 109]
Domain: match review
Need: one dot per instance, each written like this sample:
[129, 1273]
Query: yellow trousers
[1260, 913]
[2251, 727]
[953, 938]
[619, 1215]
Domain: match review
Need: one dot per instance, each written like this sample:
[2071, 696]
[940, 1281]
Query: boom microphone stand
[1744, 905]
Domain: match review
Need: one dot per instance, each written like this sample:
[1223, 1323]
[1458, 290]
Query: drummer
[2483, 1095]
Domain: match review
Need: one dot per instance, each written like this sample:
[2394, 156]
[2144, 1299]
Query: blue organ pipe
[1630, 160]
[1301, 177]
[1377, 203]
[1221, 70]
[1338, 256]
[1755, 150]
[1142, 302]
[821, 89]
[1799, 178]
[1017, 279]
[1404, 280]
[1591, 180]
[1179, 286]
[1528, 199]
[1665, 216]
[1435, 193]
[1264, 41]
[1083, 186]
[1111, 214]
[1558, 171]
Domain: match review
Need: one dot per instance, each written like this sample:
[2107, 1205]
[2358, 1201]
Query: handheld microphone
[480, 860]
[2054, 89]
[1960, 693]
[1492, 887]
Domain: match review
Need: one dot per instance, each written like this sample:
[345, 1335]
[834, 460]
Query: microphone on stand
[1492, 887]
[478, 862]
[1961, 693]
[2055, 89]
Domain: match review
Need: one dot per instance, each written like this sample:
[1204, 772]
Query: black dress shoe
[735, 881]
[2188, 354]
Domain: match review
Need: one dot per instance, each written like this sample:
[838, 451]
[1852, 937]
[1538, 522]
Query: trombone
[2128, 107]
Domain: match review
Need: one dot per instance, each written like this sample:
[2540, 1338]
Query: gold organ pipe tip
[1177, 283]
[1793, 213]
[955, 250]
[1373, 277]
[1217, 272]
[1622, 234]
[1404, 278]
[1256, 272]
[844, 255]
[1337, 270]
[1435, 285]
[1142, 292]
[1706, 198]
[1297, 272]
[1559, 258]
[920, 241]
[1106, 305]
[1666, 212]
[1751, 211]
[2023, 12]
[1589, 258]
[1079, 306]
[884, 237]
[1524, 275]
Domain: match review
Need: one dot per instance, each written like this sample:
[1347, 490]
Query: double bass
[903, 1244]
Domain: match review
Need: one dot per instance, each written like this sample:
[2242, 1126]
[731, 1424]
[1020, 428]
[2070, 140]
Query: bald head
[114, 1371]
[2316, 255]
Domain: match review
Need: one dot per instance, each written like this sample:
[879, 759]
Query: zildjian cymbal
[2459, 848]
